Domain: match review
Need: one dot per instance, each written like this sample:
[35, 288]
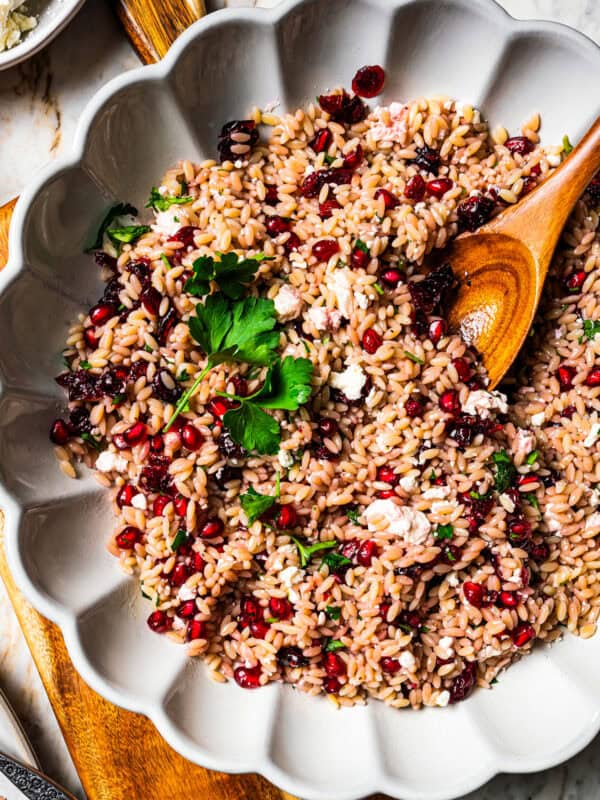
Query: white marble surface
[40, 101]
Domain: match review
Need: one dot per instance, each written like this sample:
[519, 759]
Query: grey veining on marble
[40, 102]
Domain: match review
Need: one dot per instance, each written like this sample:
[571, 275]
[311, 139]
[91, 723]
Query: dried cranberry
[276, 225]
[451, 554]
[427, 295]
[159, 622]
[280, 608]
[212, 528]
[474, 593]
[328, 207]
[229, 448]
[371, 341]
[313, 183]
[322, 140]
[539, 552]
[103, 260]
[80, 385]
[354, 159]
[519, 530]
[593, 189]
[415, 188]
[166, 325]
[227, 474]
[593, 377]
[240, 386]
[463, 684]
[390, 665]
[428, 158]
[575, 281]
[59, 432]
[414, 406]
[192, 438]
[292, 243]
[141, 269]
[391, 277]
[368, 81]
[291, 656]
[327, 426]
[334, 665]
[390, 200]
[165, 388]
[325, 454]
[439, 186]
[449, 402]
[474, 211]
[367, 552]
[125, 495]
[236, 139]
[519, 144]
[565, 375]
[523, 634]
[324, 249]
[155, 478]
[247, 677]
[343, 108]
[151, 299]
[271, 195]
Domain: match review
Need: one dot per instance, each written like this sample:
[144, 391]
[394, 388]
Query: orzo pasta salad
[311, 480]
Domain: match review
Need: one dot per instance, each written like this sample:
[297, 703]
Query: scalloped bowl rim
[13, 511]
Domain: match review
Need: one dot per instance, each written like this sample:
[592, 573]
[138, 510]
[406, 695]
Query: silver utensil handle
[33, 785]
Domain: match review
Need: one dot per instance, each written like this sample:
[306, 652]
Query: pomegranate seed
[536, 170]
[327, 426]
[437, 329]
[474, 593]
[413, 407]
[192, 438]
[324, 249]
[157, 444]
[368, 81]
[328, 207]
[565, 375]
[519, 530]
[247, 677]
[387, 475]
[128, 537]
[354, 159]
[219, 406]
[180, 504]
[89, 334]
[212, 528]
[463, 368]
[529, 184]
[119, 441]
[137, 434]
[198, 563]
[331, 685]
[259, 629]
[383, 610]
[389, 199]
[360, 257]
[280, 608]
[390, 665]
[371, 341]
[524, 480]
[179, 575]
[568, 412]
[292, 656]
[159, 505]
[385, 494]
[271, 197]
[509, 599]
[415, 188]
[292, 243]
[367, 552]
[439, 186]
[391, 277]
[101, 313]
[240, 386]
[276, 225]
[523, 634]
[287, 517]
[449, 402]
[322, 141]
[519, 144]
[125, 495]
[593, 378]
[151, 299]
[250, 609]
[575, 281]
[187, 610]
[196, 630]
[59, 432]
[159, 622]
[334, 665]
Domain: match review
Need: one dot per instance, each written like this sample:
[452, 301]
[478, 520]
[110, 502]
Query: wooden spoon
[502, 267]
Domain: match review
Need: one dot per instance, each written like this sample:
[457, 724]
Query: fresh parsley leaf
[307, 551]
[591, 328]
[335, 561]
[95, 443]
[413, 357]
[85, 365]
[329, 159]
[505, 471]
[255, 504]
[231, 273]
[494, 681]
[118, 210]
[306, 346]
[444, 532]
[353, 514]
[333, 645]
[532, 457]
[183, 376]
[253, 428]
[424, 629]
[117, 399]
[128, 234]
[148, 349]
[474, 495]
[147, 596]
[165, 261]
[432, 476]
[566, 145]
[532, 500]
[271, 620]
[287, 384]
[333, 612]
[181, 537]
[162, 202]
[362, 246]
[378, 288]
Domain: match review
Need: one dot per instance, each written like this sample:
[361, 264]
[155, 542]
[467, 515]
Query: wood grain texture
[153, 25]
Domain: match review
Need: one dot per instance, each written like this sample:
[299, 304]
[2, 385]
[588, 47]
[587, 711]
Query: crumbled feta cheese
[446, 647]
[162, 190]
[452, 579]
[139, 501]
[436, 493]
[288, 303]
[593, 521]
[594, 498]
[185, 593]
[553, 159]
[370, 399]
[538, 419]
[407, 660]
[516, 576]
[339, 285]
[108, 461]
[309, 170]
[487, 651]
[289, 577]
[13, 23]
[168, 222]
[443, 699]
[483, 403]
[409, 483]
[286, 459]
[592, 437]
[390, 123]
[552, 522]
[324, 319]
[351, 381]
[361, 300]
[412, 525]
[507, 502]
[524, 441]
[178, 624]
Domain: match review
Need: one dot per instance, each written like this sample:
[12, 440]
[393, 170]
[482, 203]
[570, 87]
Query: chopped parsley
[333, 645]
[306, 346]
[85, 365]
[183, 376]
[97, 444]
[362, 246]
[444, 532]
[432, 476]
[162, 202]
[148, 349]
[532, 457]
[353, 514]
[128, 234]
[146, 596]
[229, 271]
[335, 561]
[591, 328]
[254, 504]
[505, 471]
[329, 159]
[494, 681]
[181, 537]
[532, 500]
[165, 261]
[566, 145]
[413, 357]
[378, 288]
[307, 551]
[333, 612]
[118, 210]
[118, 399]
[271, 620]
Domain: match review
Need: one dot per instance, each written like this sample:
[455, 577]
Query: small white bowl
[52, 17]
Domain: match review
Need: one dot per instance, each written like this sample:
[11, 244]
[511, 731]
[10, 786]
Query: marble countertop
[40, 101]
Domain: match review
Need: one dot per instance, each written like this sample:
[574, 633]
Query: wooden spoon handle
[5, 217]
[153, 25]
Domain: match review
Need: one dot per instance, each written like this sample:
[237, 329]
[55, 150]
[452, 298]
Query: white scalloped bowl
[545, 708]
